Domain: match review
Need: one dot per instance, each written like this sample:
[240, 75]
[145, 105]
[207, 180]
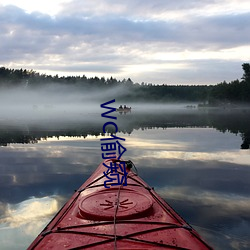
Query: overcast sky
[157, 41]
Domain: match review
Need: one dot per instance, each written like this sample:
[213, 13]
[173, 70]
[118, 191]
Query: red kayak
[126, 215]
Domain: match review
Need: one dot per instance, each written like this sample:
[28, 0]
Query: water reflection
[201, 174]
[234, 121]
[28, 211]
[20, 222]
[200, 170]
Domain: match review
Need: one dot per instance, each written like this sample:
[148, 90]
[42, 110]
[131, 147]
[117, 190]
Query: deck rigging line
[115, 237]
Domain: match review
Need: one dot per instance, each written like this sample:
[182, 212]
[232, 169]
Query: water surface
[194, 160]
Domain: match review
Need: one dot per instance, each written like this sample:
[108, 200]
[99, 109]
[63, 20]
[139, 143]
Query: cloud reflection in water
[25, 220]
[201, 174]
[199, 171]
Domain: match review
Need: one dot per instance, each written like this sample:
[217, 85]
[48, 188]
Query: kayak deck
[117, 217]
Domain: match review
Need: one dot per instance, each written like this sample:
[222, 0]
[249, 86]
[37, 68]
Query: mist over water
[61, 102]
[59, 107]
[53, 102]
[191, 156]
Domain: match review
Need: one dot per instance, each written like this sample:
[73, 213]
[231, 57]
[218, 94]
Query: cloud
[115, 30]
[115, 38]
[148, 9]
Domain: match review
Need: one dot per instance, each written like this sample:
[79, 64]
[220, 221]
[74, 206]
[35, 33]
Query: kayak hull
[117, 217]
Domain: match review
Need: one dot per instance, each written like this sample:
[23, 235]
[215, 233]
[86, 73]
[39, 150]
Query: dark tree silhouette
[220, 94]
[246, 69]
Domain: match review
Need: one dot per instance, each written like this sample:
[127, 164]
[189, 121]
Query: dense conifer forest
[234, 92]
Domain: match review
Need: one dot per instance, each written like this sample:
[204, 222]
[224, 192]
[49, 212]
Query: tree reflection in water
[234, 121]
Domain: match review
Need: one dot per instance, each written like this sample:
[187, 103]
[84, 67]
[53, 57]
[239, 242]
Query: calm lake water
[197, 160]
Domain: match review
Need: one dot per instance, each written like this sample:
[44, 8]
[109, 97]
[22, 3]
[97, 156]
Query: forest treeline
[236, 91]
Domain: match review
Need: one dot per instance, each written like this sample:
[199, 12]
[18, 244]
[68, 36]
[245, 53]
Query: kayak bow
[117, 217]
